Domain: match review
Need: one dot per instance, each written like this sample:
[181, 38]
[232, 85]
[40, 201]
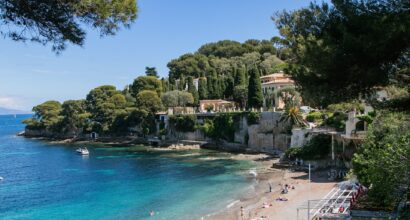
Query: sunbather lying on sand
[266, 205]
[281, 199]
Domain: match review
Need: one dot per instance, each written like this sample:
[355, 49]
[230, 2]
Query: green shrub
[368, 118]
[207, 127]
[317, 148]
[293, 152]
[222, 126]
[337, 121]
[346, 106]
[315, 117]
[163, 131]
[209, 108]
[183, 123]
[253, 118]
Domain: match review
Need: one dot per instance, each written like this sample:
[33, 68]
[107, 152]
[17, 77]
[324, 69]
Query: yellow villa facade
[272, 83]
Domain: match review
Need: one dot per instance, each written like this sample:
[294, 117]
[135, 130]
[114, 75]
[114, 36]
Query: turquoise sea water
[50, 181]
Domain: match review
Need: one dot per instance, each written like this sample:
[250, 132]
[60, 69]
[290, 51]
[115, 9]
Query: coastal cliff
[266, 134]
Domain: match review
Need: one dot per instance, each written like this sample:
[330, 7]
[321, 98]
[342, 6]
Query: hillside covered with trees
[225, 69]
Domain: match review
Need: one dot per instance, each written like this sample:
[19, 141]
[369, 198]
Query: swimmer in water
[151, 213]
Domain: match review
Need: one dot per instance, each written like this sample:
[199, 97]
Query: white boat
[83, 151]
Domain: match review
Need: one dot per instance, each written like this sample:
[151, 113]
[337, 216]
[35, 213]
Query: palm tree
[292, 115]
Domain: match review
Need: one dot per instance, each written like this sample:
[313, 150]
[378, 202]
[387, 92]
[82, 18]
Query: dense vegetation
[225, 68]
[105, 110]
[340, 50]
[316, 148]
[383, 160]
[344, 51]
[183, 123]
[221, 127]
[224, 125]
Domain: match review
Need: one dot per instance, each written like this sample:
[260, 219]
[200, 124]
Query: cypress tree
[229, 87]
[171, 83]
[202, 88]
[222, 87]
[209, 82]
[240, 78]
[214, 89]
[246, 71]
[182, 84]
[255, 97]
[233, 71]
[165, 85]
[192, 90]
[217, 88]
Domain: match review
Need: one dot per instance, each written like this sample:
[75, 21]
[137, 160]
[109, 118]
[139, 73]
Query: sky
[31, 73]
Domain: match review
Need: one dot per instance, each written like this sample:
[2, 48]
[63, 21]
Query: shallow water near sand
[50, 181]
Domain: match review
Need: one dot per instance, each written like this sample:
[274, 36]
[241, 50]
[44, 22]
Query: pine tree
[192, 90]
[151, 71]
[255, 97]
[202, 88]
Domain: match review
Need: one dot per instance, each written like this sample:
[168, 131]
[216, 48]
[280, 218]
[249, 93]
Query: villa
[271, 83]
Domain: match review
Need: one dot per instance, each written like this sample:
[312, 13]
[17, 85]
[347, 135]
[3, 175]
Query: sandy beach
[253, 205]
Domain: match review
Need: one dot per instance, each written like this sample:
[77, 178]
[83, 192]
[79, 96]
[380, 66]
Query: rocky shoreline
[130, 141]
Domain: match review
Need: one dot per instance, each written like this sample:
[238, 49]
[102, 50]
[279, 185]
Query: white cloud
[13, 102]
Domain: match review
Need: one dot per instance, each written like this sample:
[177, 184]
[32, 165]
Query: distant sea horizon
[9, 111]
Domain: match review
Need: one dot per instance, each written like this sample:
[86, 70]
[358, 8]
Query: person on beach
[270, 187]
[282, 199]
[285, 190]
[242, 212]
